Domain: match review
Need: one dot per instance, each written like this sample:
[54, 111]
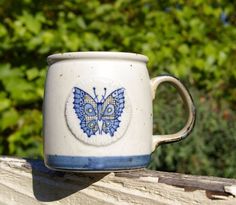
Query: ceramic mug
[98, 111]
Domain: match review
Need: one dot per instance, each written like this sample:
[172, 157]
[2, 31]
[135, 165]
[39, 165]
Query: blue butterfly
[98, 116]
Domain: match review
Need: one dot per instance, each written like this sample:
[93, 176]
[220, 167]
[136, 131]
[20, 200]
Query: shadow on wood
[24, 181]
[49, 185]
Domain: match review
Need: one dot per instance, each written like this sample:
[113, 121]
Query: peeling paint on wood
[24, 181]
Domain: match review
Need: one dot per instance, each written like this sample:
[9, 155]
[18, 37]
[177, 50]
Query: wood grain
[25, 181]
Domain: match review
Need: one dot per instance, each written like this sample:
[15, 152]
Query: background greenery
[193, 40]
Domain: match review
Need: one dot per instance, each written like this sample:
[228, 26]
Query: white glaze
[64, 75]
[62, 132]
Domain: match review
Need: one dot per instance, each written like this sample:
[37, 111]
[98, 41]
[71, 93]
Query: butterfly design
[99, 116]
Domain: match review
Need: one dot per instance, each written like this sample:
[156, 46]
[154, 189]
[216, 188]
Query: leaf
[32, 23]
[32, 73]
[6, 72]
[183, 49]
[3, 30]
[4, 104]
[9, 119]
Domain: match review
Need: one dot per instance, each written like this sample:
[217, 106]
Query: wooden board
[24, 181]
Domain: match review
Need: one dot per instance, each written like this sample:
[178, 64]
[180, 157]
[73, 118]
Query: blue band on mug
[97, 163]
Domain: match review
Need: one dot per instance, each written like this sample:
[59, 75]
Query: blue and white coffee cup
[98, 112]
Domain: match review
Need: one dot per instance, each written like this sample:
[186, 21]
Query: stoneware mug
[98, 112]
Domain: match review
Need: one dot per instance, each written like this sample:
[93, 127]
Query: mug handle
[185, 95]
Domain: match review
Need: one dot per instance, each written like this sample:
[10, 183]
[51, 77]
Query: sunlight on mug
[98, 112]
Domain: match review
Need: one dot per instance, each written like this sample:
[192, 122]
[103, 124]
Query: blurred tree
[194, 40]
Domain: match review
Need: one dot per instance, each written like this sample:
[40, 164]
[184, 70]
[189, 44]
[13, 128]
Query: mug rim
[97, 55]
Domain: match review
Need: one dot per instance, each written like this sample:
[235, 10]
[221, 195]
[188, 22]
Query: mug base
[96, 164]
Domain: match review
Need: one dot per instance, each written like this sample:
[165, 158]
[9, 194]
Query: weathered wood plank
[24, 181]
[208, 183]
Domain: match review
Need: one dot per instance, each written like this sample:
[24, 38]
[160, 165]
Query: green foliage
[194, 40]
[211, 147]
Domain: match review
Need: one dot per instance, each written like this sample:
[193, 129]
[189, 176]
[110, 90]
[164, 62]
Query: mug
[97, 112]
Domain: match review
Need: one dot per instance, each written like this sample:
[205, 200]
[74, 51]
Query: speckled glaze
[98, 111]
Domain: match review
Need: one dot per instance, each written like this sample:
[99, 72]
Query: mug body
[97, 112]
